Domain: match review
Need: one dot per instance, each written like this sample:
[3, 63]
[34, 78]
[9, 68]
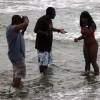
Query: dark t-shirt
[44, 36]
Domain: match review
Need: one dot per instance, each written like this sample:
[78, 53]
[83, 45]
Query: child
[16, 48]
[90, 47]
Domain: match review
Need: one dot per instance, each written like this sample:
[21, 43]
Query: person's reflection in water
[91, 83]
[43, 85]
[91, 79]
[45, 81]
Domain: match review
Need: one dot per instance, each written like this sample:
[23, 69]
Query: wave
[69, 8]
[9, 6]
[18, 8]
[59, 36]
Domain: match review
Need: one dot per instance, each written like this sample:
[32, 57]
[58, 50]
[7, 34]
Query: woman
[90, 47]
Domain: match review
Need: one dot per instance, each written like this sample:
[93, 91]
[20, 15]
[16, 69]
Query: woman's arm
[79, 38]
[88, 31]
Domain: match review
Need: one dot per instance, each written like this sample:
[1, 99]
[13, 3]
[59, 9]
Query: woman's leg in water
[87, 58]
[93, 56]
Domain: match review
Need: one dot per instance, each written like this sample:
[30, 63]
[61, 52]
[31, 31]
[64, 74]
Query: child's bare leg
[17, 82]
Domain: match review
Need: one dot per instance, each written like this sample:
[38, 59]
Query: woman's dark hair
[90, 21]
[16, 19]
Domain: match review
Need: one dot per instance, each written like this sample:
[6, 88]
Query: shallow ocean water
[64, 80]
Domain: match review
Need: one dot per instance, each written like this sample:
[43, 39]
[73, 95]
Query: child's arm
[24, 28]
[22, 25]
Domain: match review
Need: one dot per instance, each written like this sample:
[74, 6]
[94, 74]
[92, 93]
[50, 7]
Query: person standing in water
[90, 47]
[16, 48]
[44, 37]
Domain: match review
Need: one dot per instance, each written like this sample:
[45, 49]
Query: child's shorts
[44, 58]
[19, 69]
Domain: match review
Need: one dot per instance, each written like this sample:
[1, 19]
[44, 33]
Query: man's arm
[38, 28]
[59, 30]
[55, 30]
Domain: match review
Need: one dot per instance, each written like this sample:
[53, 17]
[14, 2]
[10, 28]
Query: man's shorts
[19, 69]
[44, 58]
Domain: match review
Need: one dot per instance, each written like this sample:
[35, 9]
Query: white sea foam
[8, 5]
[30, 36]
[59, 36]
[26, 5]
